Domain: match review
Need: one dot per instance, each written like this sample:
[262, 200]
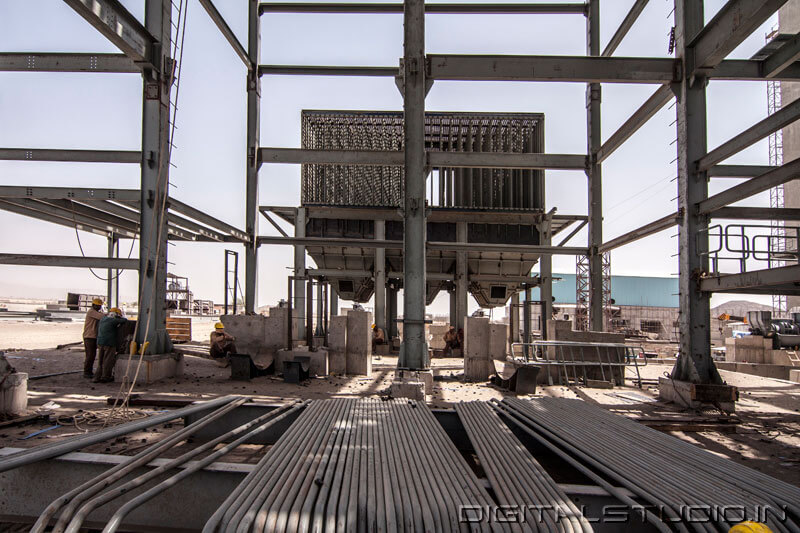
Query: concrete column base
[14, 394]
[154, 367]
[694, 395]
[412, 384]
[794, 375]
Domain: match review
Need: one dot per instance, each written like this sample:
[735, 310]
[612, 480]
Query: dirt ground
[767, 436]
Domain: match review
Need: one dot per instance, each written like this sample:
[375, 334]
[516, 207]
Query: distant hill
[739, 308]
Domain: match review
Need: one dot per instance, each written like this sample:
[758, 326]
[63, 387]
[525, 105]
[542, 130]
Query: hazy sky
[103, 111]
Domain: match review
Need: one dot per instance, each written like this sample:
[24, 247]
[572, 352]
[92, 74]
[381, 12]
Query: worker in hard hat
[222, 345]
[378, 336]
[452, 340]
[749, 526]
[93, 317]
[107, 344]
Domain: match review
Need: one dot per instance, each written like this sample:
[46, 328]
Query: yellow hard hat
[749, 526]
[218, 325]
[97, 301]
[374, 326]
[115, 310]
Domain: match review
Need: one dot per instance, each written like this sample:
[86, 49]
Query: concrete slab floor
[768, 437]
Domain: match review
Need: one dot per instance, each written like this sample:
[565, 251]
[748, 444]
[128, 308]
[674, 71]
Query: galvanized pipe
[261, 423]
[48, 451]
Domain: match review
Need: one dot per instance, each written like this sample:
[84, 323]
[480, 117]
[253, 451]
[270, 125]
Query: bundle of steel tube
[532, 499]
[76, 505]
[357, 465]
[678, 484]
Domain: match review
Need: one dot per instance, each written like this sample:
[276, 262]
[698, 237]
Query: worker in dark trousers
[93, 317]
[107, 343]
[221, 345]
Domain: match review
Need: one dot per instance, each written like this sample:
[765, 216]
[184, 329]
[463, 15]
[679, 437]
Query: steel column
[391, 309]
[595, 176]
[526, 319]
[462, 278]
[546, 277]
[694, 359]
[112, 275]
[251, 187]
[380, 277]
[298, 305]
[334, 305]
[513, 319]
[414, 350]
[151, 322]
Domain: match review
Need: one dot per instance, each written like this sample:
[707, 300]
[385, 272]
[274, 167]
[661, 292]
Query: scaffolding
[583, 293]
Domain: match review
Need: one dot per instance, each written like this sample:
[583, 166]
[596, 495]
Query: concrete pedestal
[359, 343]
[337, 345]
[477, 361]
[411, 384]
[154, 367]
[318, 361]
[694, 395]
[794, 375]
[14, 394]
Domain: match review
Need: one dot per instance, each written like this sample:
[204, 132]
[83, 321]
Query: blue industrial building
[625, 290]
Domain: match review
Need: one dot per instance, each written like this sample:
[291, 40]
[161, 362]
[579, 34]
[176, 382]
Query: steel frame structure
[701, 52]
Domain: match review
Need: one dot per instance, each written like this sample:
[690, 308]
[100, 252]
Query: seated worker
[378, 336]
[221, 345]
[107, 344]
[451, 340]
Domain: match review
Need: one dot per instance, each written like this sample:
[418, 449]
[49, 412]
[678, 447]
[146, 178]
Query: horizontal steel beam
[750, 70]
[728, 29]
[78, 156]
[17, 191]
[363, 7]
[96, 228]
[507, 160]
[782, 280]
[36, 207]
[443, 246]
[111, 19]
[781, 118]
[432, 276]
[764, 182]
[640, 233]
[783, 57]
[625, 27]
[653, 105]
[553, 68]
[312, 70]
[61, 62]
[118, 263]
[757, 213]
[219, 21]
[330, 157]
[208, 220]
[435, 159]
[738, 171]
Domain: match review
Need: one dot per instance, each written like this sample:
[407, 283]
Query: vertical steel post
[462, 275]
[152, 315]
[546, 276]
[453, 317]
[594, 175]
[334, 306]
[235, 282]
[380, 277]
[391, 310]
[513, 318]
[251, 186]
[320, 317]
[526, 319]
[310, 313]
[112, 276]
[414, 351]
[299, 273]
[227, 273]
[694, 360]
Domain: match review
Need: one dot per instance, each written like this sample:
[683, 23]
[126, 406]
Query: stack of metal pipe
[358, 465]
[529, 496]
[673, 481]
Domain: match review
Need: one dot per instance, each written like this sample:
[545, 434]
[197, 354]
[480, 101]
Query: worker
[107, 343]
[451, 340]
[378, 336]
[93, 317]
[222, 345]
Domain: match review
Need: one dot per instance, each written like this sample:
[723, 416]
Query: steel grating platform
[544, 464]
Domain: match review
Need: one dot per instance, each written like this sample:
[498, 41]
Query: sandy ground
[767, 438]
[36, 335]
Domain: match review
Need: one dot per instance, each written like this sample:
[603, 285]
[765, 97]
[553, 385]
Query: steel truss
[701, 52]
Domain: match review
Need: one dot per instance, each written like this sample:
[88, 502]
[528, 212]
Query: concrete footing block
[408, 384]
[794, 375]
[318, 361]
[154, 367]
[14, 394]
[694, 395]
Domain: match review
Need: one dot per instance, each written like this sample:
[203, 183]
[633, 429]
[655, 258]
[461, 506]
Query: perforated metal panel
[356, 185]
